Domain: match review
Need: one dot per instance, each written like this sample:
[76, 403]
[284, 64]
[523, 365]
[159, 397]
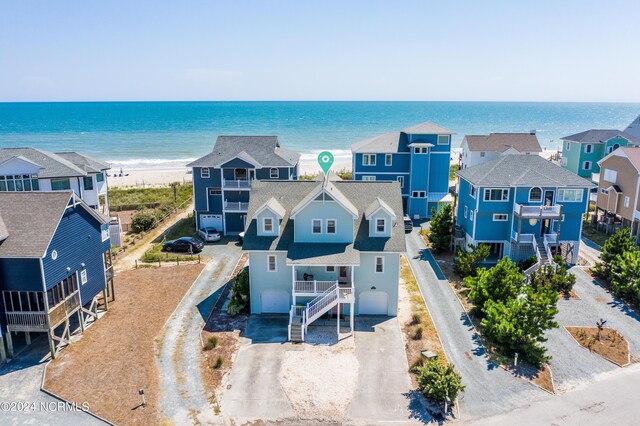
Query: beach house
[633, 129]
[478, 149]
[223, 179]
[618, 186]
[324, 247]
[582, 151]
[522, 206]
[55, 262]
[418, 158]
[30, 169]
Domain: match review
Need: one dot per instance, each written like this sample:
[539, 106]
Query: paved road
[489, 388]
[20, 382]
[183, 395]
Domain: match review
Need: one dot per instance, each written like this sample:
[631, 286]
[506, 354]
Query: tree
[439, 382]
[500, 283]
[556, 278]
[240, 293]
[616, 244]
[467, 262]
[143, 221]
[441, 229]
[518, 324]
[625, 276]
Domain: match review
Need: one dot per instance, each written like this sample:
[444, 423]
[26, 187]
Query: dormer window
[267, 225]
[381, 226]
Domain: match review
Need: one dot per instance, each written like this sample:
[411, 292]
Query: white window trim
[388, 160]
[561, 193]
[501, 200]
[466, 211]
[333, 268]
[568, 146]
[275, 263]
[416, 194]
[482, 153]
[375, 265]
[604, 191]
[608, 174]
[584, 165]
[312, 227]
[496, 219]
[83, 277]
[471, 215]
[443, 136]
[202, 173]
[473, 191]
[401, 180]
[264, 225]
[366, 159]
[590, 150]
[375, 229]
[562, 218]
[271, 176]
[541, 195]
[627, 201]
[369, 178]
[335, 226]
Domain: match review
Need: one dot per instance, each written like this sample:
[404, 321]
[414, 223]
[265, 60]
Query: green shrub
[416, 318]
[616, 244]
[625, 276]
[441, 229]
[218, 364]
[144, 220]
[240, 293]
[467, 262]
[211, 343]
[502, 282]
[439, 382]
[417, 334]
[527, 263]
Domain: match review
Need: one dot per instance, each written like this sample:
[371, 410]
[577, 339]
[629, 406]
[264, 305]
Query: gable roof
[600, 136]
[272, 205]
[634, 128]
[52, 165]
[84, 162]
[522, 170]
[327, 187]
[500, 142]
[265, 150]
[290, 194]
[385, 143]
[631, 153]
[428, 128]
[376, 205]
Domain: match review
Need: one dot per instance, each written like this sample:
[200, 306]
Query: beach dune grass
[136, 198]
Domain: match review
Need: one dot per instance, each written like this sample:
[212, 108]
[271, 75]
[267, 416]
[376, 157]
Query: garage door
[214, 220]
[275, 302]
[372, 303]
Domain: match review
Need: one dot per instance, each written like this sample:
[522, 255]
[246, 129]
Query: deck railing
[524, 238]
[317, 305]
[27, 321]
[312, 287]
[537, 211]
[236, 184]
[235, 206]
[62, 311]
[536, 265]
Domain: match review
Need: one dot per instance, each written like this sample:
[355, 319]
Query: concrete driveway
[490, 390]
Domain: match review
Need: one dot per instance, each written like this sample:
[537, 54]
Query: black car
[408, 224]
[184, 244]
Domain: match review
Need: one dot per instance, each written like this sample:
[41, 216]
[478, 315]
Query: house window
[379, 264]
[100, 177]
[267, 224]
[381, 226]
[570, 195]
[466, 211]
[83, 276]
[368, 159]
[535, 195]
[499, 194]
[60, 184]
[626, 202]
[331, 269]
[368, 178]
[471, 215]
[610, 175]
[500, 217]
[215, 191]
[420, 150]
[88, 183]
[274, 173]
[316, 226]
[331, 226]
[472, 191]
[419, 194]
[605, 191]
[271, 263]
[204, 173]
[586, 165]
[443, 140]
[481, 153]
[19, 183]
[563, 161]
[59, 292]
[588, 148]
[568, 147]
[401, 180]
[388, 159]
[104, 233]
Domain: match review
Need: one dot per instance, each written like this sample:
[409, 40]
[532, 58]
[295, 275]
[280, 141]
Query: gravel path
[184, 399]
[490, 390]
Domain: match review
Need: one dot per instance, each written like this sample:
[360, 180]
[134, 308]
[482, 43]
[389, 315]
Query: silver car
[209, 235]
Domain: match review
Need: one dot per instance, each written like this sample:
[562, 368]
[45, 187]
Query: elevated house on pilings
[55, 263]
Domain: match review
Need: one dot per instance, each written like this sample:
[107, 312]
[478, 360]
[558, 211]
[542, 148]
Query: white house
[478, 149]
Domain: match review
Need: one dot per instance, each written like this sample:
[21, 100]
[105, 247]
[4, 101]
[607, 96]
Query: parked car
[209, 234]
[408, 224]
[184, 244]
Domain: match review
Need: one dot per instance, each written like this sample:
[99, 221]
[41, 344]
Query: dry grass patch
[544, 378]
[115, 357]
[610, 344]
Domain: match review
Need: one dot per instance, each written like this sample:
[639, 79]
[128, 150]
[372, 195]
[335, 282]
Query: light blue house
[324, 246]
[418, 157]
[522, 205]
[222, 179]
[55, 262]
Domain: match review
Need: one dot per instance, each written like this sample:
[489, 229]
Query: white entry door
[275, 302]
[373, 303]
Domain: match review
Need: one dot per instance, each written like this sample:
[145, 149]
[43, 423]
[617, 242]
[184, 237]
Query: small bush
[143, 220]
[439, 382]
[527, 263]
[417, 334]
[416, 318]
[240, 293]
[441, 229]
[211, 343]
[218, 364]
[468, 260]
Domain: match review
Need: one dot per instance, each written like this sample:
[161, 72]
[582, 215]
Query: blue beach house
[223, 179]
[417, 157]
[319, 247]
[522, 206]
[55, 262]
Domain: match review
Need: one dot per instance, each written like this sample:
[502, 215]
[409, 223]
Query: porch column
[293, 283]
[81, 319]
[52, 346]
[27, 337]
[3, 352]
[338, 317]
[519, 229]
[352, 308]
[106, 300]
[9, 344]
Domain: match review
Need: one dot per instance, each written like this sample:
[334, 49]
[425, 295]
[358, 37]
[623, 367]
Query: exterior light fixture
[533, 222]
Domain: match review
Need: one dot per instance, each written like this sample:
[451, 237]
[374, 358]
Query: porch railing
[62, 311]
[312, 286]
[536, 265]
[297, 311]
[317, 306]
[524, 238]
[537, 211]
[27, 321]
[235, 206]
[236, 184]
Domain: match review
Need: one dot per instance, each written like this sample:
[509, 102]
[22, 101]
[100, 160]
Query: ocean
[136, 135]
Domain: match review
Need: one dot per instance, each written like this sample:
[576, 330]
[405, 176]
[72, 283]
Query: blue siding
[20, 275]
[234, 222]
[77, 240]
[237, 163]
[439, 173]
[265, 173]
[200, 186]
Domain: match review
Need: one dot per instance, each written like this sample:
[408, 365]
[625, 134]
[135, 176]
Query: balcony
[523, 238]
[537, 212]
[41, 320]
[242, 185]
[235, 206]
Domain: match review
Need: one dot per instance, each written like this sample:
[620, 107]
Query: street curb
[602, 356]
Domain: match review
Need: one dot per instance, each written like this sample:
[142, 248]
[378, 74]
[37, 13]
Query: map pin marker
[325, 159]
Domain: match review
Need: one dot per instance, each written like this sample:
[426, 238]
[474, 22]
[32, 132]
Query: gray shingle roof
[31, 220]
[522, 170]
[265, 149]
[386, 142]
[86, 163]
[634, 128]
[600, 136]
[428, 128]
[375, 205]
[274, 206]
[500, 142]
[53, 165]
[290, 193]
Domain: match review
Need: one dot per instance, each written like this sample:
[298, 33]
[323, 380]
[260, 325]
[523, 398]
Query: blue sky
[324, 50]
